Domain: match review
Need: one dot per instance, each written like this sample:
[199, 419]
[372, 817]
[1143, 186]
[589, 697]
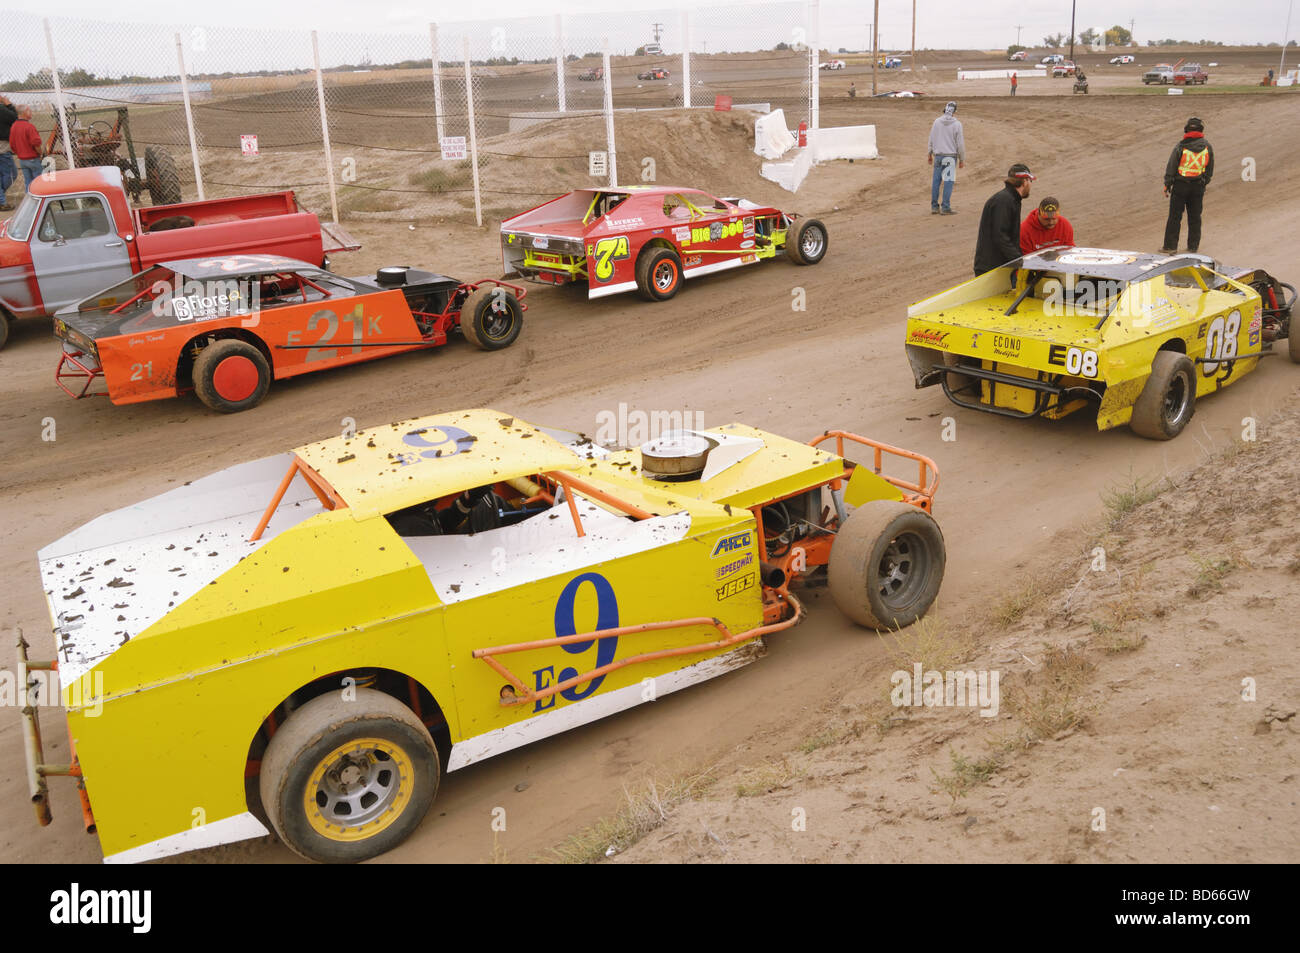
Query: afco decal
[734, 543]
[565, 624]
[606, 252]
[429, 447]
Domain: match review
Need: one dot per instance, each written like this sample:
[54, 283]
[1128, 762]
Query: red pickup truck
[75, 233]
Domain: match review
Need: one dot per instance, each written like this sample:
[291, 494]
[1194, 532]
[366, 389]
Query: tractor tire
[808, 243]
[1168, 398]
[163, 180]
[491, 318]
[231, 375]
[658, 273]
[886, 564]
[346, 780]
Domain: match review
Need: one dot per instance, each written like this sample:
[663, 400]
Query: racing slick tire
[1292, 340]
[491, 318]
[164, 181]
[886, 564]
[231, 375]
[1168, 399]
[658, 273]
[343, 781]
[808, 244]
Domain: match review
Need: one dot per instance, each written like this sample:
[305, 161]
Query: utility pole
[1130, 31]
[1285, 34]
[913, 67]
[1072, 6]
[1018, 29]
[657, 29]
[875, 45]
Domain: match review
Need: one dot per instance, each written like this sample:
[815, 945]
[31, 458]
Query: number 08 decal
[1221, 341]
[1081, 362]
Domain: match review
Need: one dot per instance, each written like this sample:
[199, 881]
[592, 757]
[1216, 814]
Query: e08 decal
[1078, 362]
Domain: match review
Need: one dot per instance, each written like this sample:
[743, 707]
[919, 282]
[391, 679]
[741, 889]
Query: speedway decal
[736, 586]
[606, 252]
[734, 566]
[733, 543]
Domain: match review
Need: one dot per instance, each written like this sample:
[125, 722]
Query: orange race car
[225, 327]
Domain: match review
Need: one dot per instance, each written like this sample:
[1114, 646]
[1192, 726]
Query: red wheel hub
[235, 378]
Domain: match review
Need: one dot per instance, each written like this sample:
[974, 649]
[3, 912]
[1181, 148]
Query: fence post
[473, 137]
[189, 117]
[814, 92]
[58, 96]
[559, 60]
[437, 83]
[611, 158]
[325, 127]
[686, 58]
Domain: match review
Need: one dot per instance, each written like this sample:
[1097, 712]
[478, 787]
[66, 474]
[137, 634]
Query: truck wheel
[164, 181]
[1292, 340]
[343, 781]
[231, 375]
[807, 244]
[4, 327]
[658, 273]
[491, 318]
[886, 564]
[1168, 399]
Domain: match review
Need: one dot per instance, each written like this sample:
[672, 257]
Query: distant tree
[782, 46]
[1118, 36]
[587, 56]
[1088, 36]
[1054, 41]
[640, 51]
[842, 50]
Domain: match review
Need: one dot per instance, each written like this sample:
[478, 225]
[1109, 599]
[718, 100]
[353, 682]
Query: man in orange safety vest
[1188, 172]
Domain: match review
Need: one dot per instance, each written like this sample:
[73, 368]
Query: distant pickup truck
[1191, 74]
[75, 233]
[1161, 73]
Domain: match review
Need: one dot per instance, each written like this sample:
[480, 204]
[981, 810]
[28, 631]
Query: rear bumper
[77, 373]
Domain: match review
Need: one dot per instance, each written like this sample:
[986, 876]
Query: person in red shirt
[1045, 226]
[26, 144]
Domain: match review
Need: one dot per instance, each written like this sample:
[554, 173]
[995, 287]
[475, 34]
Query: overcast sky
[233, 43]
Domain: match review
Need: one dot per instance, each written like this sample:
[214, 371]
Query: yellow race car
[305, 643]
[1134, 338]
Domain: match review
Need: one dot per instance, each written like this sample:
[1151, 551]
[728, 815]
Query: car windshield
[21, 224]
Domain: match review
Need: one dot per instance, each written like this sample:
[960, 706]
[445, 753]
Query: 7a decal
[606, 252]
[1221, 342]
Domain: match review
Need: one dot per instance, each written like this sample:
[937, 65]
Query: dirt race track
[729, 347]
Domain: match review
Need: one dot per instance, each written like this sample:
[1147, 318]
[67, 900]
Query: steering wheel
[95, 130]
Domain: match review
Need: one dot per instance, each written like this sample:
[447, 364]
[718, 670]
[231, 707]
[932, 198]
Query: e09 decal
[1077, 361]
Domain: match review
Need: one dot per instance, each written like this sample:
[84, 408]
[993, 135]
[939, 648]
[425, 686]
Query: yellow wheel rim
[359, 789]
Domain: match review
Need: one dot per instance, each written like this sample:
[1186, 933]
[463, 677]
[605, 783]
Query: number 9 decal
[565, 624]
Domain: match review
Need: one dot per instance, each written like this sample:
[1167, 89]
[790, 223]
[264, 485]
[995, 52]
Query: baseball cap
[1050, 204]
[1020, 171]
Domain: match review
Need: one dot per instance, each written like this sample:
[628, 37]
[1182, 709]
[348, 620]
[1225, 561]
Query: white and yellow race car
[306, 642]
[1134, 338]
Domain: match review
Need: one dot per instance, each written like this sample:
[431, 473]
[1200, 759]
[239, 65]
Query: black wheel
[658, 273]
[886, 564]
[163, 179]
[1168, 399]
[491, 318]
[1292, 340]
[4, 327]
[806, 242]
[344, 781]
[231, 375]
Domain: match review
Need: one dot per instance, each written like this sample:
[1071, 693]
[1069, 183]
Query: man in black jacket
[999, 234]
[1187, 173]
[8, 171]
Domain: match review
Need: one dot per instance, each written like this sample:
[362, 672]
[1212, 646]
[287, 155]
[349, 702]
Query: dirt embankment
[1145, 711]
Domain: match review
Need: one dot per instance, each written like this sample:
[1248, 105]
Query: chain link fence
[461, 121]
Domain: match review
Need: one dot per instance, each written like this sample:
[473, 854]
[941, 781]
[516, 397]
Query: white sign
[597, 163]
[248, 145]
[453, 147]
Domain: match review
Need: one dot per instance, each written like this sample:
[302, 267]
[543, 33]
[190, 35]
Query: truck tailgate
[336, 238]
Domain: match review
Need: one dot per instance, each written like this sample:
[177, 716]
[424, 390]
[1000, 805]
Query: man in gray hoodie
[947, 155]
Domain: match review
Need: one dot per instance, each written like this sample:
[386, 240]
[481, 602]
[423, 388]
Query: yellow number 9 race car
[1134, 338]
[305, 643]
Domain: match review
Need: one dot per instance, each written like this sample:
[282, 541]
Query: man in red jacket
[26, 144]
[1045, 226]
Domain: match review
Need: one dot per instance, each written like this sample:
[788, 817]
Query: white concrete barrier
[843, 142]
[771, 137]
[790, 173]
[1022, 73]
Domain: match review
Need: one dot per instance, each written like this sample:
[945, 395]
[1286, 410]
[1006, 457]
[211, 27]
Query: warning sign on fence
[248, 145]
[453, 147]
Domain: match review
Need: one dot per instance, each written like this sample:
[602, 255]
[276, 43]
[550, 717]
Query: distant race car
[650, 239]
[1066, 68]
[900, 94]
[891, 62]
[1133, 338]
[226, 327]
[595, 72]
[307, 642]
[1053, 58]
[1122, 58]
[1018, 55]
[656, 73]
[831, 64]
